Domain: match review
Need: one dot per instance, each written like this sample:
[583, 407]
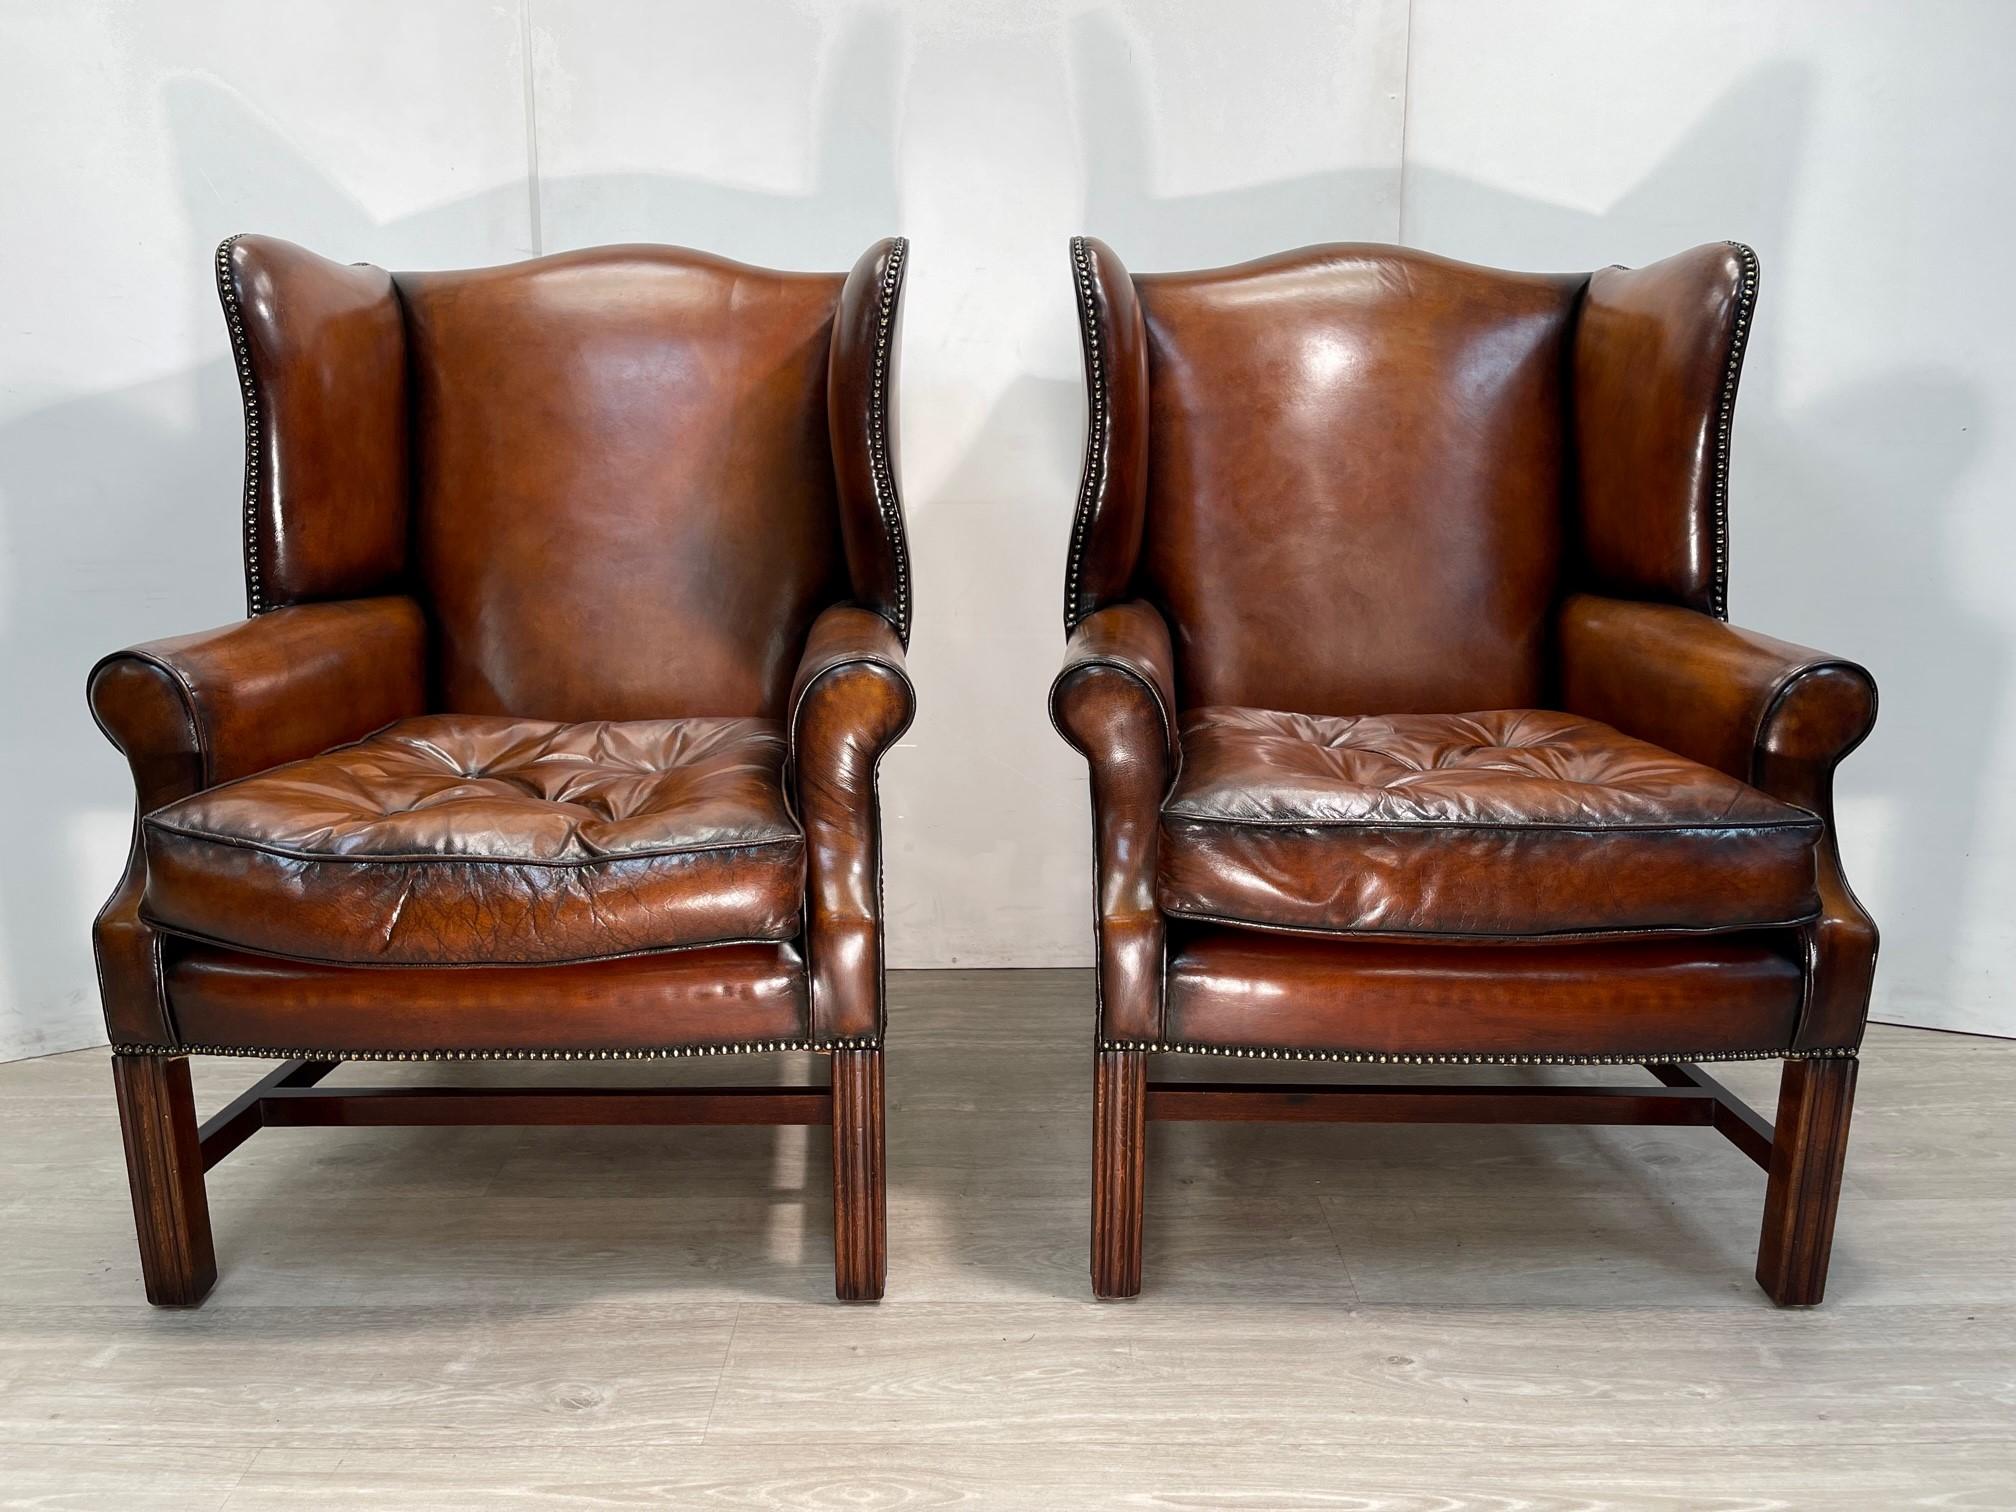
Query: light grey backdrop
[1857, 146]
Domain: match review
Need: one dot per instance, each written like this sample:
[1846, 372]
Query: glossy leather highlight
[458, 839]
[620, 452]
[850, 702]
[727, 994]
[1655, 998]
[321, 354]
[1781, 716]
[1379, 483]
[861, 400]
[194, 710]
[1356, 448]
[633, 479]
[1113, 492]
[1115, 702]
[1515, 824]
[1658, 352]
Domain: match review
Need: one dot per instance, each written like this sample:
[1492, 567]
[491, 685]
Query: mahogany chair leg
[164, 1164]
[860, 1196]
[1815, 1099]
[1119, 1164]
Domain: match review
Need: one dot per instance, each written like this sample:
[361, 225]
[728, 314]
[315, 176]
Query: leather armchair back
[622, 482]
[1359, 479]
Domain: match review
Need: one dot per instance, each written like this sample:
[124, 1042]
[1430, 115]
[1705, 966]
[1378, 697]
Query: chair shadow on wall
[126, 502]
[1844, 518]
[101, 489]
[1855, 505]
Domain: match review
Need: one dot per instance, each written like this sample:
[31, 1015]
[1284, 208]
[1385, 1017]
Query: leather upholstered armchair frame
[1397, 651]
[578, 597]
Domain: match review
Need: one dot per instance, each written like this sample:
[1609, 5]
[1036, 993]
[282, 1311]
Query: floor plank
[1043, 1477]
[1334, 1316]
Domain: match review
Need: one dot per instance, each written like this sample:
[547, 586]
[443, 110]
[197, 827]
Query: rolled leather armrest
[851, 700]
[198, 710]
[1746, 704]
[1115, 702]
[1780, 717]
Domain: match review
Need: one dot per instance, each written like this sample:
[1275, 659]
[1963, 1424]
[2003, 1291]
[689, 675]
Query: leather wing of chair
[552, 733]
[1393, 758]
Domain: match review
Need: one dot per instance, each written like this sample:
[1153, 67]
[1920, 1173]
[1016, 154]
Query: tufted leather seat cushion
[477, 839]
[1517, 823]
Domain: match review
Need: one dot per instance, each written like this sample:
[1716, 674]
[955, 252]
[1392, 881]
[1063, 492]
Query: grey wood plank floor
[1355, 1317]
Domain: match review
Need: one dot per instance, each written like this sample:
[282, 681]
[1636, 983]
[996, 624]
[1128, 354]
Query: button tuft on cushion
[467, 839]
[1516, 823]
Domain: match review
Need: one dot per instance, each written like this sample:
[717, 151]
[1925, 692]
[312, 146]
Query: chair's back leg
[164, 1164]
[860, 1198]
[1815, 1099]
[1119, 1166]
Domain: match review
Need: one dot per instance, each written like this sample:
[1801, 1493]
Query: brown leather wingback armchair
[578, 595]
[1395, 606]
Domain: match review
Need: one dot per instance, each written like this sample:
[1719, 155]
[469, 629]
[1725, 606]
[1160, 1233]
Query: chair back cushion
[624, 502]
[1355, 480]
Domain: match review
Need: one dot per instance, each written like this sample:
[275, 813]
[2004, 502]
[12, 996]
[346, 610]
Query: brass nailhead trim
[1383, 1058]
[1725, 421]
[234, 317]
[1094, 476]
[1093, 483]
[668, 1052]
[882, 476]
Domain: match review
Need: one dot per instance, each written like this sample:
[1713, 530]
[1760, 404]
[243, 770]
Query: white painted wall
[1853, 145]
[136, 137]
[1861, 146]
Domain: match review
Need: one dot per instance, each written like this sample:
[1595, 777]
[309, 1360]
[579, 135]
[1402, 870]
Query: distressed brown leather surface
[198, 709]
[1780, 715]
[247, 696]
[1665, 998]
[1378, 483]
[1115, 701]
[625, 489]
[616, 488]
[1113, 492]
[718, 995]
[850, 702]
[1658, 351]
[1355, 479]
[1519, 822]
[321, 348]
[862, 410]
[471, 839]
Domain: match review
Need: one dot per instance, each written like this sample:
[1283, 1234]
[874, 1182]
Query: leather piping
[199, 737]
[1725, 420]
[882, 477]
[156, 966]
[1810, 821]
[136, 854]
[431, 858]
[1113, 663]
[902, 675]
[880, 663]
[1827, 836]
[1783, 691]
[1093, 482]
[1629, 931]
[1098, 860]
[248, 391]
[307, 960]
[1488, 1058]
